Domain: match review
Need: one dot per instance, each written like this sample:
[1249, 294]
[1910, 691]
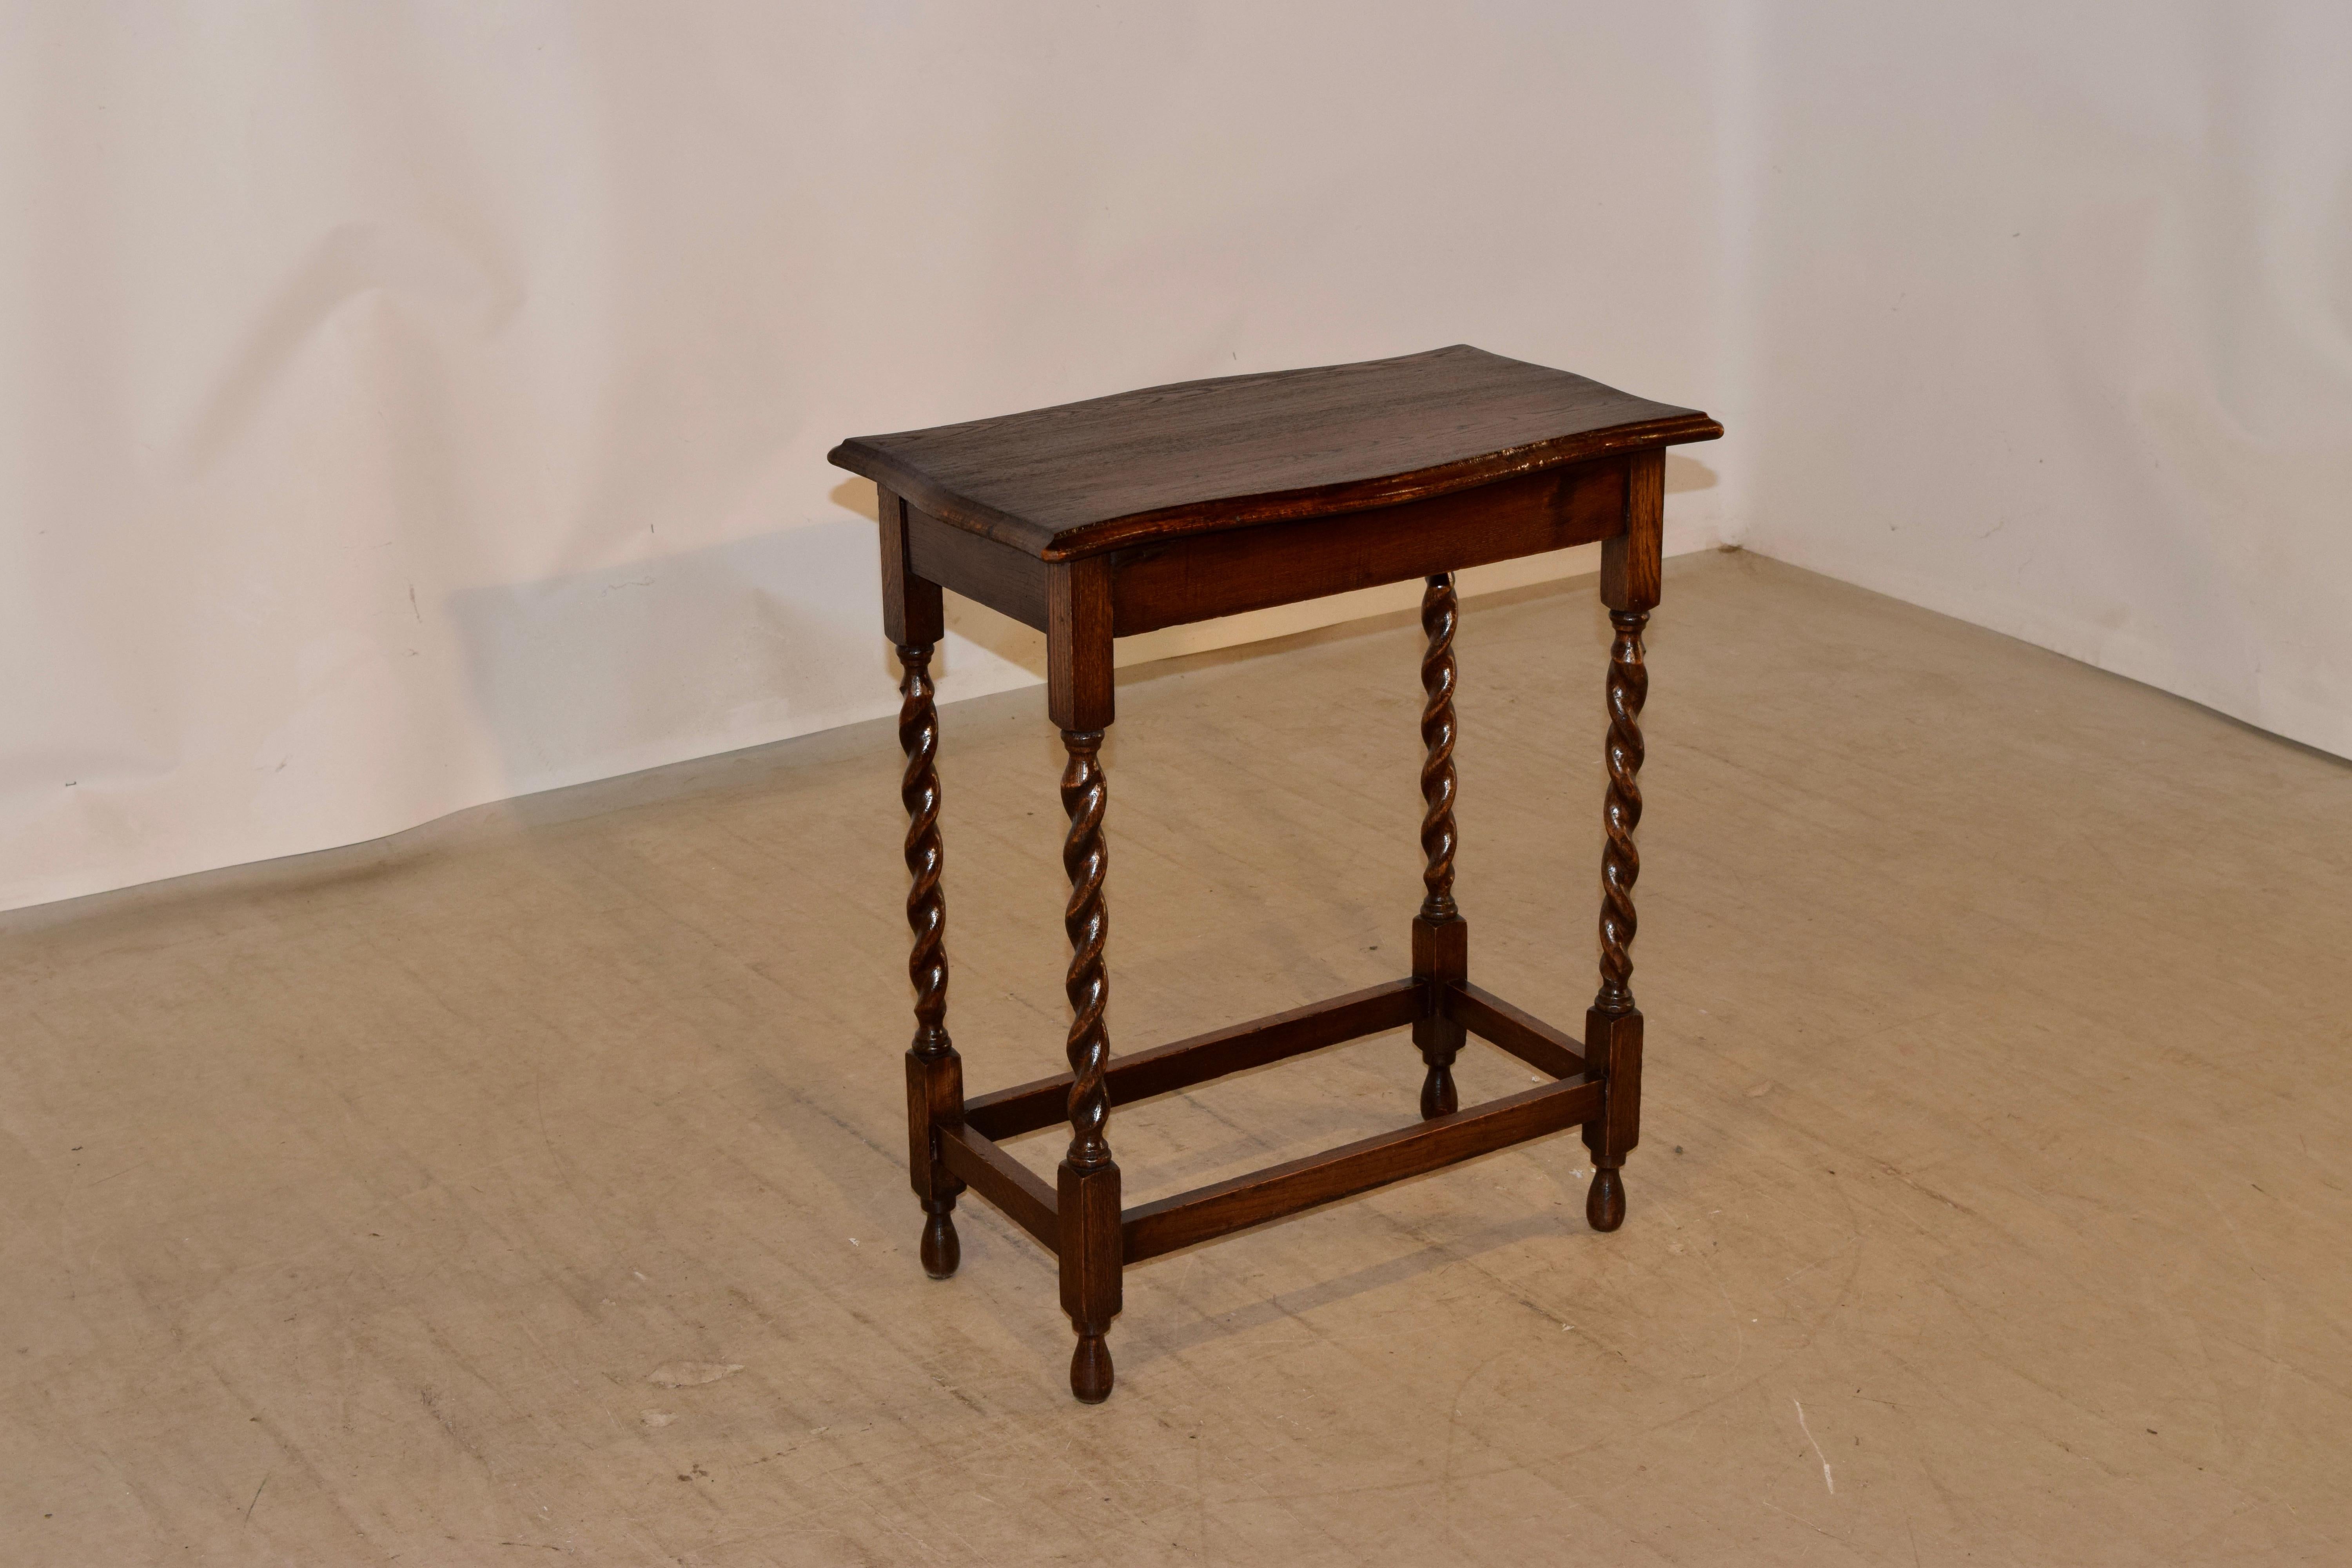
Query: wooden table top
[1076, 479]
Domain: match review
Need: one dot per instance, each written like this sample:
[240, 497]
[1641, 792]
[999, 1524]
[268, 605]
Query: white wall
[2049, 326]
[403, 407]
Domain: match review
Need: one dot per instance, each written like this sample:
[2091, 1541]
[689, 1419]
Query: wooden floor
[477, 1197]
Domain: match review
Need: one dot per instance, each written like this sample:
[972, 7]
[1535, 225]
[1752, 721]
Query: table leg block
[1613, 1043]
[1090, 1272]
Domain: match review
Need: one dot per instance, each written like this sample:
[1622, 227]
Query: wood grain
[1613, 1027]
[1025, 1108]
[1092, 1288]
[1441, 612]
[1087, 1182]
[1613, 1065]
[1523, 1035]
[1198, 576]
[1620, 809]
[1441, 938]
[912, 612]
[1226, 1206]
[1086, 918]
[1080, 691]
[1632, 561]
[1176, 504]
[1010, 581]
[1011, 1186]
[1082, 477]
[934, 1072]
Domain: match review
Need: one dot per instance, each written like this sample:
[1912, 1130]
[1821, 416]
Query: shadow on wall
[1685, 474]
[599, 673]
[1001, 635]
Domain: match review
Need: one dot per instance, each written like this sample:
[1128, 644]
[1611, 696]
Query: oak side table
[1097, 519]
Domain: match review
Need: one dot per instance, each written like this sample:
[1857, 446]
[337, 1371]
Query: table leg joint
[1024, 1196]
[1522, 1034]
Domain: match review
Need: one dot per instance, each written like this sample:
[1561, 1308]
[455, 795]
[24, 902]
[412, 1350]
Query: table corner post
[914, 617]
[1632, 574]
[1079, 698]
[1441, 938]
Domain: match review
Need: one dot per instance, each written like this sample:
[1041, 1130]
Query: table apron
[1202, 576]
[1206, 576]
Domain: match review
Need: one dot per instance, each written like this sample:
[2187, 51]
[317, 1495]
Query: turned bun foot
[1604, 1204]
[941, 1250]
[1091, 1370]
[1437, 1096]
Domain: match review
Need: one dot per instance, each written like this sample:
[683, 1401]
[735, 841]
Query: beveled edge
[1219, 513]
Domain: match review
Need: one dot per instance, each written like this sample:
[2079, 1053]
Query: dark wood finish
[1082, 478]
[1025, 1108]
[1612, 1028]
[1006, 580]
[1199, 576]
[1620, 810]
[934, 1071]
[932, 1089]
[1179, 503]
[1526, 1037]
[1440, 954]
[1005, 1182]
[1613, 1043]
[1441, 938]
[1077, 644]
[1086, 859]
[1632, 567]
[913, 615]
[1440, 610]
[973, 1154]
[1089, 1179]
[1091, 1286]
[1226, 1206]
